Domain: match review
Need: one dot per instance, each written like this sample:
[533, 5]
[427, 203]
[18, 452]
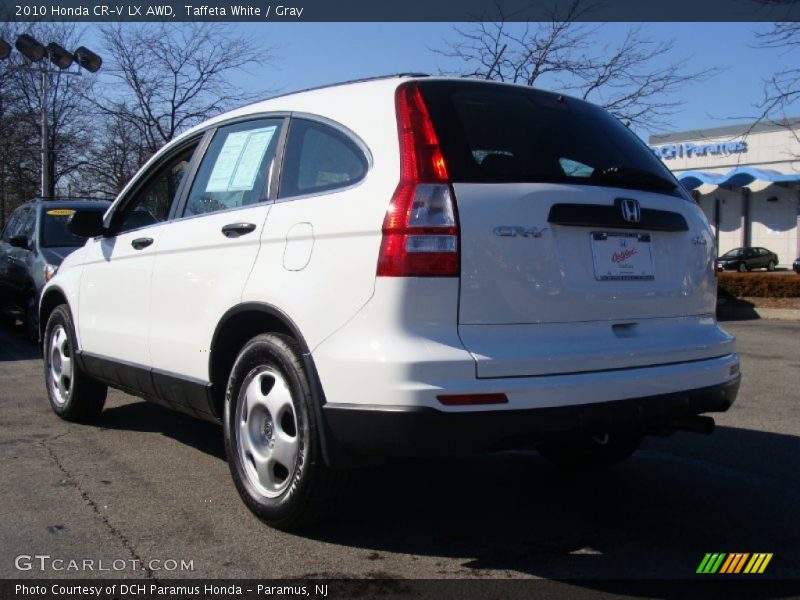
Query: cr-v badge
[515, 231]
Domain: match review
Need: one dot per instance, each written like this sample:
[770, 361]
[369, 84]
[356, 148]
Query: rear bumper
[421, 430]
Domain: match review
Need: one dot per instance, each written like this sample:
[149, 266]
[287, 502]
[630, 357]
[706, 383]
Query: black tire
[771, 266]
[269, 365]
[742, 268]
[591, 453]
[32, 322]
[77, 397]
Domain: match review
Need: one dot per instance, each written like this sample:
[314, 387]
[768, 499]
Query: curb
[737, 313]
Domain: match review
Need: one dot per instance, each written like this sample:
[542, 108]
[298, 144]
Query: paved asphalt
[144, 484]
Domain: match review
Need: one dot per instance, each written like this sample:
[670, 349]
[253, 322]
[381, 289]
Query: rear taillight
[420, 231]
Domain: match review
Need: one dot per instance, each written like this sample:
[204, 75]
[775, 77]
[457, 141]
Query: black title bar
[400, 10]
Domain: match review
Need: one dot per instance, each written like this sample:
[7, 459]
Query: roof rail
[337, 84]
[67, 198]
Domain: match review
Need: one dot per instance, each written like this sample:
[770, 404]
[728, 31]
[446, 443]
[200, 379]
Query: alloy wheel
[266, 432]
[61, 365]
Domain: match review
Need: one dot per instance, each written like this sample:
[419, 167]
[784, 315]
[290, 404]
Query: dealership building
[746, 179]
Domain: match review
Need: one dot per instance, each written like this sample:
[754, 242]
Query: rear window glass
[492, 133]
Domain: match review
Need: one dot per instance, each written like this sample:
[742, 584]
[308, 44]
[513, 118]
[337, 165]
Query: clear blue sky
[311, 54]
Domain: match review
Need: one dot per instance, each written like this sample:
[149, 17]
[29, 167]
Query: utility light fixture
[88, 59]
[59, 56]
[62, 58]
[30, 48]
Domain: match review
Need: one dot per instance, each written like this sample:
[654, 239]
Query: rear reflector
[471, 399]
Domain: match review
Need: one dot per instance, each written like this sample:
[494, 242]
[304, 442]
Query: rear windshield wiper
[634, 176]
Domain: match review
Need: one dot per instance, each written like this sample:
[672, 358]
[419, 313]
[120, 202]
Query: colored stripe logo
[736, 562]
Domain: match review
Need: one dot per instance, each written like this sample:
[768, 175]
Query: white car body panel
[403, 350]
[322, 282]
[198, 274]
[552, 348]
[67, 280]
[551, 279]
[322, 273]
[113, 314]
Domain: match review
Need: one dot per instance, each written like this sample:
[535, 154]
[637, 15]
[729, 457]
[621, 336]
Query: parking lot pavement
[146, 484]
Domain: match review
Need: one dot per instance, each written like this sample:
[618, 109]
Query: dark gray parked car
[34, 242]
[747, 259]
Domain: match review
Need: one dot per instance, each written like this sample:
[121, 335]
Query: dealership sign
[692, 150]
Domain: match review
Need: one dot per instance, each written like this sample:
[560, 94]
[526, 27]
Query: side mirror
[19, 241]
[86, 223]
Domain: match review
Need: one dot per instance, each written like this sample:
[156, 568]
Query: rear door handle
[141, 243]
[234, 230]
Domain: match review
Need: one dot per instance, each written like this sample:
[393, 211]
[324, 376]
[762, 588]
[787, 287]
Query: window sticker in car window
[253, 154]
[61, 212]
[226, 162]
[237, 165]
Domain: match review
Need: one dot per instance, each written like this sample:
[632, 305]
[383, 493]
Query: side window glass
[12, 225]
[319, 158]
[236, 168]
[28, 223]
[21, 224]
[152, 203]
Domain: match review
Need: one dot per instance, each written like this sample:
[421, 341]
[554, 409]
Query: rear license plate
[622, 256]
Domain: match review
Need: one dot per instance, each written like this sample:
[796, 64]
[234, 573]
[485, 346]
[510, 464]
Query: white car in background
[400, 266]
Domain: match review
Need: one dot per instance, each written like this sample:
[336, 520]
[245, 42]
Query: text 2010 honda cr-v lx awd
[399, 266]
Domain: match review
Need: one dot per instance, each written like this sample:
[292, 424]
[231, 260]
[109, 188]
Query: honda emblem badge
[631, 211]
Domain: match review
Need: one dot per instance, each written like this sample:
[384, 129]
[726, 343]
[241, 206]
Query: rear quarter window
[320, 158]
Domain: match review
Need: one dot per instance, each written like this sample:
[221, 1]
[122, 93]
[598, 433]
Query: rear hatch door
[578, 250]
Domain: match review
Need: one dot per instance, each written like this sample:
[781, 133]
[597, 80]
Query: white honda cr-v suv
[399, 266]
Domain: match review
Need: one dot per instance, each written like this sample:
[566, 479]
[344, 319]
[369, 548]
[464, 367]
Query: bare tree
[21, 101]
[114, 156]
[623, 77]
[168, 78]
[782, 88]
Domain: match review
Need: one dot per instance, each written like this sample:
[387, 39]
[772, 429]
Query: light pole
[31, 49]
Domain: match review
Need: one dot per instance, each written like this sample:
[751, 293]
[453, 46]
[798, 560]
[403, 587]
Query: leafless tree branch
[627, 77]
[781, 89]
[171, 78]
[164, 79]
